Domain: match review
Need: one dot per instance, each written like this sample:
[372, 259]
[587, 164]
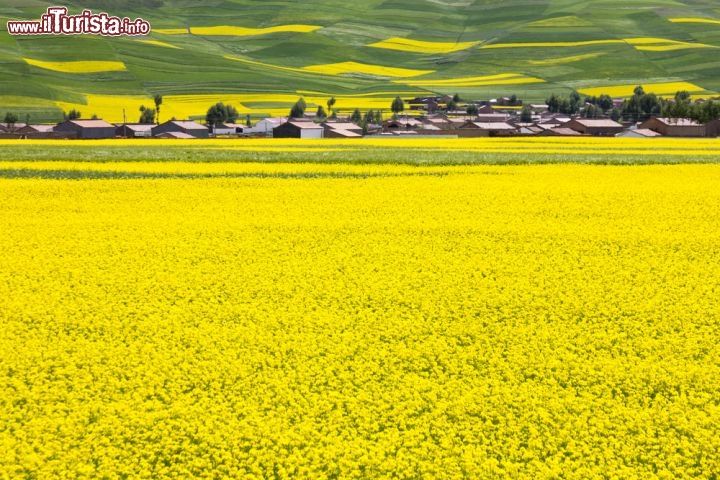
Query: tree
[513, 99]
[471, 109]
[638, 91]
[320, 114]
[72, 115]
[356, 116]
[605, 102]
[369, 116]
[574, 103]
[398, 105]
[526, 114]
[147, 115]
[221, 113]
[553, 103]
[451, 105]
[10, 119]
[592, 111]
[298, 110]
[158, 101]
[615, 114]
[378, 117]
[456, 98]
[330, 103]
[248, 123]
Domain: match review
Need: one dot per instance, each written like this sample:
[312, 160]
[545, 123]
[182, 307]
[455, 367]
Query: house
[11, 127]
[675, 127]
[134, 130]
[182, 135]
[86, 128]
[712, 128]
[188, 127]
[227, 128]
[485, 129]
[265, 126]
[342, 130]
[594, 126]
[298, 129]
[558, 132]
[36, 130]
[638, 133]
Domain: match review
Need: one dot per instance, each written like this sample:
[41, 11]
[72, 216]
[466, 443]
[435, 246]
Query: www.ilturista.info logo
[57, 22]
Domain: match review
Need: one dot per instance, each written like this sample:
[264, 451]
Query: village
[425, 117]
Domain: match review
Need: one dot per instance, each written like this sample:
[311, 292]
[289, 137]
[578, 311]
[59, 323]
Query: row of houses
[481, 125]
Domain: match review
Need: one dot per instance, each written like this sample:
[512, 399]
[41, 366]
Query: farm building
[594, 126]
[266, 126]
[181, 135]
[485, 129]
[229, 129]
[712, 128]
[342, 130]
[36, 131]
[87, 128]
[298, 129]
[188, 127]
[675, 127]
[134, 130]
[638, 133]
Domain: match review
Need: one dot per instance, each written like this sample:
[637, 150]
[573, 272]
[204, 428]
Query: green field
[271, 64]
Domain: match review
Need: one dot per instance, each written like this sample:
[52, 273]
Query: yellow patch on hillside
[639, 43]
[650, 44]
[355, 67]
[230, 31]
[86, 66]
[110, 107]
[420, 46]
[158, 43]
[552, 44]
[501, 79]
[566, 21]
[664, 88]
[694, 20]
[564, 60]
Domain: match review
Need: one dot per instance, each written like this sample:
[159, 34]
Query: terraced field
[226, 51]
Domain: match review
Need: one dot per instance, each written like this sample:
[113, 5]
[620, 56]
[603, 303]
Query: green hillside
[477, 48]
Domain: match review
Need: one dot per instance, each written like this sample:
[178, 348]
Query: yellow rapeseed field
[661, 88]
[356, 67]
[360, 321]
[421, 46]
[639, 43]
[158, 43]
[89, 66]
[694, 20]
[566, 59]
[499, 79]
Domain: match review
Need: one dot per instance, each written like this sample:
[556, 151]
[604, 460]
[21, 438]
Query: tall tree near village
[158, 99]
[397, 105]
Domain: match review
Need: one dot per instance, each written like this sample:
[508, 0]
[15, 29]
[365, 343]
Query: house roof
[188, 124]
[646, 132]
[138, 127]
[92, 123]
[678, 122]
[597, 122]
[305, 125]
[564, 131]
[174, 135]
[39, 127]
[342, 126]
[346, 133]
[494, 125]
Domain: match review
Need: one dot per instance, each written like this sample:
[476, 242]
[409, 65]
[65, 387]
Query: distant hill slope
[261, 56]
